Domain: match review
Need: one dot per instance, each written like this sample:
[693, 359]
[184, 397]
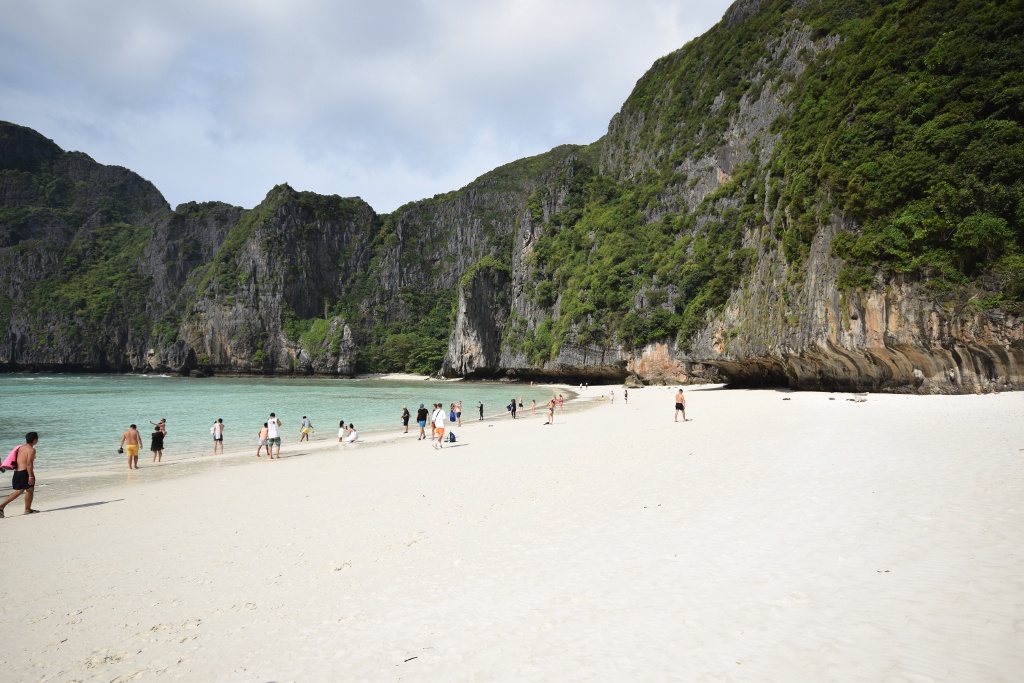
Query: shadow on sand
[84, 505]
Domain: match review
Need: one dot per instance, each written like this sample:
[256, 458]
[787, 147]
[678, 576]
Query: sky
[390, 100]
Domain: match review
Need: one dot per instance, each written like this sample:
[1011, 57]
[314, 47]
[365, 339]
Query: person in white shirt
[439, 425]
[218, 436]
[341, 431]
[353, 435]
[274, 436]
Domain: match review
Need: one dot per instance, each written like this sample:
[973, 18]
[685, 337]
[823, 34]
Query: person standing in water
[480, 408]
[680, 405]
[274, 436]
[405, 419]
[533, 407]
[131, 440]
[156, 444]
[218, 436]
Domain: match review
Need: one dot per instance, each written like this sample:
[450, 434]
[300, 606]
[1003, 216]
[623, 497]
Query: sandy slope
[799, 540]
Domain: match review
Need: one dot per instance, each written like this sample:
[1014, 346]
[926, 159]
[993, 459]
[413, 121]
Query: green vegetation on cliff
[909, 123]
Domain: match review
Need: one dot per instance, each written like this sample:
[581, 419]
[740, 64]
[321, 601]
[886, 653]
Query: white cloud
[388, 100]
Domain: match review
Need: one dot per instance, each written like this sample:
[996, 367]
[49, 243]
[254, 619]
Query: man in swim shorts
[680, 405]
[218, 436]
[262, 443]
[421, 420]
[24, 478]
[131, 440]
[274, 436]
[438, 426]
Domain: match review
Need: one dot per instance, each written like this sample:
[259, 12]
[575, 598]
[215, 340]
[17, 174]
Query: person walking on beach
[680, 405]
[561, 404]
[274, 436]
[458, 413]
[421, 420]
[131, 440]
[24, 478]
[218, 435]
[625, 396]
[306, 429]
[512, 407]
[405, 419]
[439, 426]
[480, 408]
[263, 440]
[156, 444]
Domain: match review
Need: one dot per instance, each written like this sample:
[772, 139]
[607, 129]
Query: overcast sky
[390, 100]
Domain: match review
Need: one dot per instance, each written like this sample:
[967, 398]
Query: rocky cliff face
[800, 197]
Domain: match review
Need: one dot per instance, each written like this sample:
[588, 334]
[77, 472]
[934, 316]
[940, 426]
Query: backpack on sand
[451, 437]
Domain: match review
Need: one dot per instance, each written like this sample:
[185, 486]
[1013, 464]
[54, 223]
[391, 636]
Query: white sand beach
[764, 540]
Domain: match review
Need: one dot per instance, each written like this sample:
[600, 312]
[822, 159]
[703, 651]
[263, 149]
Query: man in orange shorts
[130, 442]
[439, 425]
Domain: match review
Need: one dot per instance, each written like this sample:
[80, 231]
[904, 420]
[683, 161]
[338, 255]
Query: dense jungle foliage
[910, 125]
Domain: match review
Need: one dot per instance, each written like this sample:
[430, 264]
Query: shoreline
[64, 482]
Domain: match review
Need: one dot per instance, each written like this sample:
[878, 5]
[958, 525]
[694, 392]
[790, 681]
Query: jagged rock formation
[475, 345]
[803, 196]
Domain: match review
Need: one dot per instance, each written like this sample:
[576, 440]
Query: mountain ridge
[819, 195]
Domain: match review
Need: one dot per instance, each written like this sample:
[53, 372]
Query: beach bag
[451, 437]
[451, 416]
[11, 461]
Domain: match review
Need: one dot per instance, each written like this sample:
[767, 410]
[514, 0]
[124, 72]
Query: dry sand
[765, 540]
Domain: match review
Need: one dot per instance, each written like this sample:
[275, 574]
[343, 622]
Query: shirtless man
[24, 480]
[131, 440]
[262, 443]
[680, 405]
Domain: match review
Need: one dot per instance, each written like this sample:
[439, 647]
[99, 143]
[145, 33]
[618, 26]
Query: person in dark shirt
[156, 444]
[421, 420]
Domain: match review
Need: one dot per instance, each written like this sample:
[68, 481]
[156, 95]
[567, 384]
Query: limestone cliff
[820, 195]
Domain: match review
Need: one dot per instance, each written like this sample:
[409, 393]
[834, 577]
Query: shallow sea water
[80, 418]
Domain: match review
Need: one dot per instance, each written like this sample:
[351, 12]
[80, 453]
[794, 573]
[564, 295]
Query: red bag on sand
[11, 461]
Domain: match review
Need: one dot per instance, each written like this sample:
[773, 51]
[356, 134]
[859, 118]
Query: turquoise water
[80, 418]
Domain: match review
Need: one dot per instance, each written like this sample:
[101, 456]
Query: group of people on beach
[22, 458]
